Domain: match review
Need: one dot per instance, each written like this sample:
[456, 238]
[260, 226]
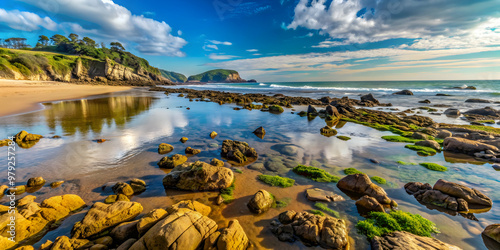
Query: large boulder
[233, 237]
[124, 231]
[465, 146]
[313, 230]
[430, 144]
[172, 161]
[361, 184]
[184, 229]
[192, 205]
[150, 219]
[368, 204]
[260, 202]
[493, 233]
[487, 111]
[403, 92]
[407, 241]
[237, 151]
[332, 111]
[199, 176]
[472, 196]
[102, 216]
[316, 194]
[369, 98]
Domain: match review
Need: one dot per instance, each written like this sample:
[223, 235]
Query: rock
[472, 196]
[426, 195]
[56, 184]
[313, 230]
[114, 198]
[493, 232]
[98, 247]
[374, 161]
[26, 140]
[172, 161]
[191, 205]
[5, 142]
[260, 202]
[150, 219]
[213, 134]
[419, 136]
[465, 146]
[233, 237]
[216, 162]
[192, 151]
[496, 167]
[100, 140]
[316, 194]
[443, 134]
[414, 187]
[106, 240]
[486, 111]
[63, 242]
[165, 148]
[3, 188]
[452, 112]
[311, 110]
[124, 231]
[123, 188]
[260, 132]
[327, 131]
[237, 151]
[102, 216]
[362, 185]
[184, 229]
[332, 111]
[403, 92]
[429, 143]
[476, 100]
[184, 139]
[138, 185]
[35, 181]
[399, 240]
[425, 101]
[369, 98]
[127, 244]
[199, 176]
[368, 204]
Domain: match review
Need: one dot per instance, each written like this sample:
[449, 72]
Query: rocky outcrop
[360, 184]
[403, 92]
[491, 236]
[260, 202]
[102, 216]
[407, 241]
[150, 219]
[26, 140]
[198, 176]
[312, 230]
[233, 237]
[316, 194]
[465, 146]
[237, 151]
[430, 144]
[472, 196]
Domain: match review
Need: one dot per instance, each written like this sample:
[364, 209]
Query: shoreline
[23, 96]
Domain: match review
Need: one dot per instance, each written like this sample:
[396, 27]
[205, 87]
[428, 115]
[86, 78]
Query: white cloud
[329, 44]
[252, 50]
[26, 21]
[215, 56]
[179, 32]
[361, 21]
[104, 18]
[220, 43]
[209, 47]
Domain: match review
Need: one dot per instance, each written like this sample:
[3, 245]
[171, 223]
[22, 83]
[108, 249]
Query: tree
[43, 40]
[73, 37]
[89, 42]
[103, 46]
[117, 46]
[17, 43]
[58, 39]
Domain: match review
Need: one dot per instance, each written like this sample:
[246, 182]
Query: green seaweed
[349, 171]
[406, 163]
[276, 109]
[227, 193]
[315, 174]
[380, 223]
[237, 170]
[434, 166]
[343, 137]
[398, 138]
[378, 179]
[422, 149]
[316, 212]
[323, 207]
[276, 181]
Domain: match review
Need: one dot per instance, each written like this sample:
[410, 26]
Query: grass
[276, 181]
[316, 212]
[343, 137]
[315, 174]
[323, 207]
[421, 149]
[238, 171]
[398, 138]
[434, 166]
[227, 194]
[349, 171]
[406, 163]
[378, 179]
[380, 223]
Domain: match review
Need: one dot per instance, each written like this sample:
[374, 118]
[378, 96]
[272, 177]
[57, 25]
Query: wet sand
[19, 96]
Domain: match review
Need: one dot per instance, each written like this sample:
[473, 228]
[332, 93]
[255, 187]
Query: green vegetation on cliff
[216, 75]
[173, 76]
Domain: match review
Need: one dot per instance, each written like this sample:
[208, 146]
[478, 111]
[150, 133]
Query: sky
[283, 40]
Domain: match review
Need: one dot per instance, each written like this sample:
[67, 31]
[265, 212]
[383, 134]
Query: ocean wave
[262, 84]
[424, 90]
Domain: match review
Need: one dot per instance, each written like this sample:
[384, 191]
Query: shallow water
[135, 122]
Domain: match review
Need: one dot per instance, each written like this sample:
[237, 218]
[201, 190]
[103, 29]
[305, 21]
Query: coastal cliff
[217, 75]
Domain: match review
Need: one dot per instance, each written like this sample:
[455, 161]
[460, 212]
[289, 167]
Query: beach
[19, 96]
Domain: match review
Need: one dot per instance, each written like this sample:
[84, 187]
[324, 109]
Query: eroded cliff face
[234, 77]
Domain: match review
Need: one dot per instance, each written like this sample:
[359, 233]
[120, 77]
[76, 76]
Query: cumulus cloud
[361, 21]
[221, 43]
[26, 21]
[106, 19]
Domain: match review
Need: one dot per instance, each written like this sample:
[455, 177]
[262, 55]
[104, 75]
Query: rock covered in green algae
[199, 176]
[237, 151]
[26, 140]
[276, 109]
[216, 162]
[165, 148]
[172, 161]
[35, 181]
[327, 131]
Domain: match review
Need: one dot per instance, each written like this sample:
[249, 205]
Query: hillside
[173, 76]
[217, 75]
[44, 65]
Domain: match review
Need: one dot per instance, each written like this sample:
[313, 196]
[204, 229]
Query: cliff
[173, 76]
[48, 66]
[217, 75]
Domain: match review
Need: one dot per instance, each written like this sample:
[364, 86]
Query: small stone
[216, 162]
[165, 148]
[56, 184]
[184, 139]
[192, 151]
[213, 134]
[35, 182]
[172, 161]
[123, 188]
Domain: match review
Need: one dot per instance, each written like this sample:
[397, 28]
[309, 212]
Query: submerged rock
[361, 184]
[35, 182]
[199, 176]
[452, 112]
[493, 233]
[26, 140]
[192, 151]
[327, 131]
[401, 240]
[477, 100]
[260, 202]
[237, 151]
[172, 161]
[403, 92]
[260, 132]
[316, 194]
[165, 148]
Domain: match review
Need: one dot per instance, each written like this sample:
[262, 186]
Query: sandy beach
[20, 96]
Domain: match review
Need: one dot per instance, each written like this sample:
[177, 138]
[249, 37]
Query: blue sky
[283, 40]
